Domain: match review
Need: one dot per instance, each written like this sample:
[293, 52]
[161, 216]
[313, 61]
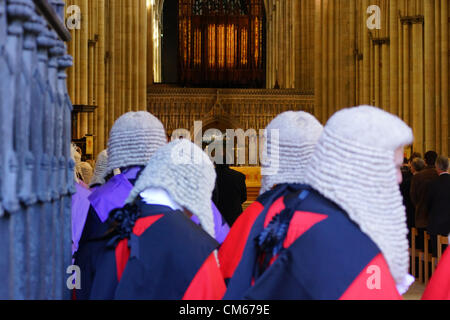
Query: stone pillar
[318, 54]
[101, 135]
[325, 54]
[417, 87]
[393, 58]
[430, 84]
[84, 65]
[366, 59]
[444, 26]
[406, 74]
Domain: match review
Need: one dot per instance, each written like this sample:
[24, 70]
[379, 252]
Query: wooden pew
[416, 254]
[441, 240]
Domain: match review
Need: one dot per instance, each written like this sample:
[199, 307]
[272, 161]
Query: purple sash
[112, 195]
[80, 209]
[221, 228]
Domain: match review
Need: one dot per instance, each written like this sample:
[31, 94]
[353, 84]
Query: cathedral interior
[198, 65]
[236, 64]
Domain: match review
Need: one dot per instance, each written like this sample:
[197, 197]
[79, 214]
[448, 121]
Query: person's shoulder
[419, 175]
[442, 181]
[423, 176]
[184, 228]
[444, 177]
[236, 174]
[429, 173]
[336, 226]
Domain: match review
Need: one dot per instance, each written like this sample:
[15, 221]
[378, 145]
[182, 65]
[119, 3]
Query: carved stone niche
[222, 109]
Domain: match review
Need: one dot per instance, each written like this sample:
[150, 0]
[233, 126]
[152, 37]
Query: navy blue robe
[230, 252]
[167, 257]
[96, 233]
[325, 256]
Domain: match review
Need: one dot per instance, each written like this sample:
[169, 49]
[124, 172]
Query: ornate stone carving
[227, 108]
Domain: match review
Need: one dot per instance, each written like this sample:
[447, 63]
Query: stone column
[418, 87]
[444, 26]
[101, 137]
[318, 54]
[84, 65]
[142, 54]
[406, 74]
[325, 58]
[430, 84]
[393, 58]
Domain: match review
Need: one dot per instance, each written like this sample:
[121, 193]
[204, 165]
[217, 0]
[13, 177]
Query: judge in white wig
[101, 164]
[357, 165]
[166, 255]
[181, 176]
[290, 140]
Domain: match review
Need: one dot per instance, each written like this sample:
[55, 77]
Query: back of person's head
[417, 164]
[187, 174]
[430, 158]
[415, 155]
[76, 157]
[86, 171]
[222, 156]
[442, 163]
[360, 150]
[290, 140]
[133, 139]
[76, 154]
[100, 169]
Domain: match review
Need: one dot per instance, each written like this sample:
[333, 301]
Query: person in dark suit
[438, 204]
[420, 184]
[230, 192]
[411, 168]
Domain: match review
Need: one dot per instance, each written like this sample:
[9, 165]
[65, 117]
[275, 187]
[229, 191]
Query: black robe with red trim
[167, 257]
[230, 252]
[326, 257]
[96, 233]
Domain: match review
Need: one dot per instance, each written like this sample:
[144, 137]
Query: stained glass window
[221, 43]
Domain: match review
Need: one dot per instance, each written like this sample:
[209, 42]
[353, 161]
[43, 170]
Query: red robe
[439, 286]
[325, 257]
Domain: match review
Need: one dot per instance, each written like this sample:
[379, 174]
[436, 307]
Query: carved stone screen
[36, 169]
[221, 43]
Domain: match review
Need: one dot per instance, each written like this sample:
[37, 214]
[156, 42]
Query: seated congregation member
[159, 253]
[289, 142]
[344, 236]
[133, 139]
[98, 179]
